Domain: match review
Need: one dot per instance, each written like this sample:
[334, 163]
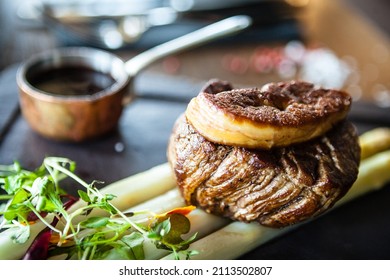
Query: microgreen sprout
[77, 234]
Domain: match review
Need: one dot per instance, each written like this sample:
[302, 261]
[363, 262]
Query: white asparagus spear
[160, 204]
[374, 141]
[201, 222]
[138, 188]
[238, 238]
[129, 192]
[173, 199]
[12, 251]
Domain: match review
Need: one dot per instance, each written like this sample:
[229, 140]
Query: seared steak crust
[276, 187]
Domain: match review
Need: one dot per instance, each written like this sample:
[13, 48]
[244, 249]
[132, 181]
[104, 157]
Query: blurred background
[340, 44]
[335, 43]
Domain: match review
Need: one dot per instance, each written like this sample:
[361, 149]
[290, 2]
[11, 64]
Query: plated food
[145, 216]
[279, 155]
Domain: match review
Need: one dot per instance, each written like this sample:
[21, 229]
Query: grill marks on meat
[277, 187]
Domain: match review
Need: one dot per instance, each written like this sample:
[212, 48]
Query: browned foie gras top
[281, 104]
[278, 114]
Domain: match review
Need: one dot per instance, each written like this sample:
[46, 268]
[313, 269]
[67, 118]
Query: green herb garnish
[36, 195]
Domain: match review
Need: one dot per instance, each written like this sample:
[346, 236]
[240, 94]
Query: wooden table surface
[359, 36]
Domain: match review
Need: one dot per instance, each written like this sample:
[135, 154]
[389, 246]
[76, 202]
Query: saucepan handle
[208, 33]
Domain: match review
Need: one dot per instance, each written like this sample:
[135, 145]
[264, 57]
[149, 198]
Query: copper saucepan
[74, 115]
